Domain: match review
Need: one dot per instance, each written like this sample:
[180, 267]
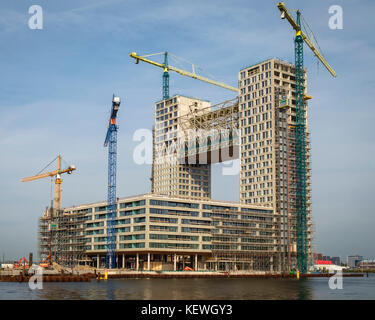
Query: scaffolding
[153, 160]
[44, 235]
[62, 235]
[287, 200]
[244, 241]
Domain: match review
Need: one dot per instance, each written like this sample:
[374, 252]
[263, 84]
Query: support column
[97, 261]
[175, 262]
[137, 263]
[148, 261]
[196, 262]
[123, 260]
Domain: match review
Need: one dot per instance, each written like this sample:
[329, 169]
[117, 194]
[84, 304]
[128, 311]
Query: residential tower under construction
[178, 223]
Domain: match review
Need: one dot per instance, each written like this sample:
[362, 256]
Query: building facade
[169, 176]
[267, 107]
[366, 264]
[353, 260]
[155, 232]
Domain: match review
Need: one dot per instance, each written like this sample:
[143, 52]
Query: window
[173, 204]
[100, 209]
[139, 220]
[132, 237]
[139, 228]
[132, 204]
[132, 245]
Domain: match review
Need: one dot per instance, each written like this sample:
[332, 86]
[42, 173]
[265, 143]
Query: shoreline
[121, 274]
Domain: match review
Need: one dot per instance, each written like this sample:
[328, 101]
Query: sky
[57, 85]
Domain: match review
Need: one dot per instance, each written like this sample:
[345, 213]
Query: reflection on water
[304, 290]
[194, 289]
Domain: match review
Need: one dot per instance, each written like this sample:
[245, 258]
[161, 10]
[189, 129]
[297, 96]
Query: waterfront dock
[47, 278]
[216, 275]
[102, 274]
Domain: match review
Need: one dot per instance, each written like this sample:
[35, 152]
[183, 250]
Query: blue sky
[57, 84]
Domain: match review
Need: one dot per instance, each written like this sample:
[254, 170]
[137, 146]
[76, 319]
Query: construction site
[178, 226]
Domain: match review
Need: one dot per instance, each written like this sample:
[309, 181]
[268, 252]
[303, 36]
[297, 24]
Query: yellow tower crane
[57, 174]
[285, 14]
[166, 68]
[301, 194]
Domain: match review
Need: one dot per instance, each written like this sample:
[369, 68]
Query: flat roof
[181, 95]
[260, 62]
[169, 198]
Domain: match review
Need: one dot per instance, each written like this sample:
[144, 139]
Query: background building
[353, 260]
[336, 260]
[366, 264]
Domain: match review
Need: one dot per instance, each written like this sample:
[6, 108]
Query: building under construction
[178, 224]
[264, 127]
[155, 232]
[62, 236]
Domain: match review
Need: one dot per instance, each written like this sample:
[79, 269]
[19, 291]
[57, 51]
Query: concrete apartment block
[267, 118]
[169, 177]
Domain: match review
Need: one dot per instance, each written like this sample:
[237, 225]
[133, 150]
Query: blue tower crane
[111, 142]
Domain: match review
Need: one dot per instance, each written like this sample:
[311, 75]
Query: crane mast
[300, 153]
[300, 133]
[57, 197]
[165, 78]
[111, 142]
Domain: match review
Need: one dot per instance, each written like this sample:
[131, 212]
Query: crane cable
[47, 166]
[67, 165]
[313, 37]
[204, 72]
[179, 62]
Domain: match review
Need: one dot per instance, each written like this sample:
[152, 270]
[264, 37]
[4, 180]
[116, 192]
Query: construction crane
[111, 142]
[300, 129]
[165, 78]
[166, 68]
[57, 196]
[57, 174]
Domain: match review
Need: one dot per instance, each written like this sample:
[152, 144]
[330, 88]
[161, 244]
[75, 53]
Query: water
[194, 289]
